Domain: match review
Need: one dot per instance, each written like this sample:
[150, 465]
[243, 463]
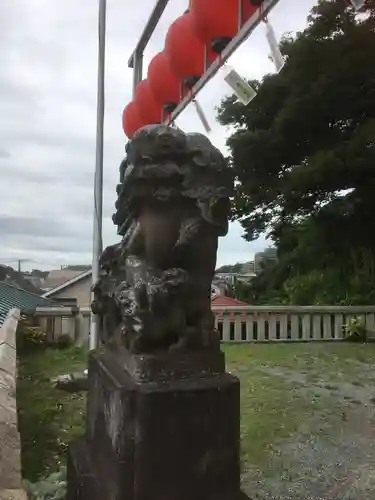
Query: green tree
[303, 152]
[307, 140]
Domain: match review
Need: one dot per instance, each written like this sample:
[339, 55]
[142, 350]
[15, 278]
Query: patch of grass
[339, 359]
[48, 418]
[270, 411]
[273, 407]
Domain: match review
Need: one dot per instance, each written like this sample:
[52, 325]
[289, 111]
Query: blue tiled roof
[12, 297]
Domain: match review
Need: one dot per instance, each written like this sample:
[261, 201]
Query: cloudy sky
[48, 74]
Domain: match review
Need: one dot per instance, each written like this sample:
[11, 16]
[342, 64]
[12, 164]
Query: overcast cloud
[48, 65]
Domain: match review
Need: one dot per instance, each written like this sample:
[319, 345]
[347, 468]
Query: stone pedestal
[158, 428]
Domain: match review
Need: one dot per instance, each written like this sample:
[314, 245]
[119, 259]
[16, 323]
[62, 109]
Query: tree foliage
[303, 152]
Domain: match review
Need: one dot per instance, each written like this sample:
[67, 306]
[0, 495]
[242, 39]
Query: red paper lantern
[164, 86]
[185, 51]
[131, 121]
[149, 109]
[217, 24]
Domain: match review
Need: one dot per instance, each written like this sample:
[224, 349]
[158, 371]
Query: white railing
[289, 323]
[236, 324]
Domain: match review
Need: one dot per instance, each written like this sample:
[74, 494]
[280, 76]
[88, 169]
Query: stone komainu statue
[173, 204]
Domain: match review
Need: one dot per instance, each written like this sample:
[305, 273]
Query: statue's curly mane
[163, 164]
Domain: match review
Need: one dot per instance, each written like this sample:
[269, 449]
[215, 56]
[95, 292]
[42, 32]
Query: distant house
[232, 278]
[12, 297]
[75, 291]
[246, 271]
[221, 301]
[58, 277]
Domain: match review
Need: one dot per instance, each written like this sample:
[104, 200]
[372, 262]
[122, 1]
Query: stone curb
[8, 359]
[8, 329]
[10, 447]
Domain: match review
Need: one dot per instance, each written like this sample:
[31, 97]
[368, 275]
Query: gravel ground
[332, 456]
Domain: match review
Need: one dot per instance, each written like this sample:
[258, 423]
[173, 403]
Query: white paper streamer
[276, 55]
[202, 116]
[239, 85]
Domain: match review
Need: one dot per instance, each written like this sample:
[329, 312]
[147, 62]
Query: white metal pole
[98, 184]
